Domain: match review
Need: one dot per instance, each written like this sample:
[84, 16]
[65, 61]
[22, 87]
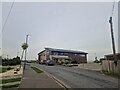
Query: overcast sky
[79, 26]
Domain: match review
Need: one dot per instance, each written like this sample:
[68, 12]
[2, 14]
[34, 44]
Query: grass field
[4, 69]
[3, 81]
[9, 86]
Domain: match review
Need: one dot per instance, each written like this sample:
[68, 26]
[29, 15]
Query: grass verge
[9, 86]
[3, 81]
[37, 70]
[28, 64]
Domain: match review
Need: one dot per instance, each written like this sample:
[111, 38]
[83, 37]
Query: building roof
[67, 51]
[41, 52]
[112, 54]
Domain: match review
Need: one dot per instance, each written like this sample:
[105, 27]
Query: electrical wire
[113, 8]
[8, 15]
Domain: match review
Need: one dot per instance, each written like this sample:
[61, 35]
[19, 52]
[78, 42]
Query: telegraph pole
[112, 36]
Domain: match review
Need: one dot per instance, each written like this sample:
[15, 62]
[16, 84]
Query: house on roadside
[110, 57]
[61, 54]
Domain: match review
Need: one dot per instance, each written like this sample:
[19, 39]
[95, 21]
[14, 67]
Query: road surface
[79, 78]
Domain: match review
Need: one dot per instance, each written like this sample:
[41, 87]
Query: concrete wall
[110, 66]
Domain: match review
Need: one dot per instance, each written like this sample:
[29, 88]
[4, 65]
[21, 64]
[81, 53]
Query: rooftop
[67, 51]
[112, 54]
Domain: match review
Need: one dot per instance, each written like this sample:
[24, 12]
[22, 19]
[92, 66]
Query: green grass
[37, 70]
[9, 86]
[4, 69]
[10, 80]
[28, 64]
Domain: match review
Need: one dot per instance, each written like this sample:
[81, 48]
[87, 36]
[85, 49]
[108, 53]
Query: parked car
[50, 62]
[42, 61]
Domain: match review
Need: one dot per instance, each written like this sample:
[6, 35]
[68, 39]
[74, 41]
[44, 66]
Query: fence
[110, 66]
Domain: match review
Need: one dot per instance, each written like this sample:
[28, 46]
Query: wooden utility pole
[112, 36]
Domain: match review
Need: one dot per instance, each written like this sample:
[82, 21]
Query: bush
[9, 68]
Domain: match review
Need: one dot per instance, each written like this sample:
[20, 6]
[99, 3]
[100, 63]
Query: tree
[14, 61]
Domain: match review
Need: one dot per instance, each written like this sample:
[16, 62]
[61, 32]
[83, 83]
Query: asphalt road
[80, 78]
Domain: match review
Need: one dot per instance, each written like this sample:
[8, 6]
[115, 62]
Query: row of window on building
[66, 54]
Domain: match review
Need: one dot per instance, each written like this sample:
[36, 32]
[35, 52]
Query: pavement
[32, 79]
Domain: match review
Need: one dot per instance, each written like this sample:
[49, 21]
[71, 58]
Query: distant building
[61, 54]
[101, 59]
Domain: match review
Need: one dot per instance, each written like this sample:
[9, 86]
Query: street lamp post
[26, 51]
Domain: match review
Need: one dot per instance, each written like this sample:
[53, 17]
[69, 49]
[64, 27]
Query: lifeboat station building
[59, 55]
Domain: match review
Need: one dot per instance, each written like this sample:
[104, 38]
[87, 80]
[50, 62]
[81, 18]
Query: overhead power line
[8, 16]
[113, 8]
